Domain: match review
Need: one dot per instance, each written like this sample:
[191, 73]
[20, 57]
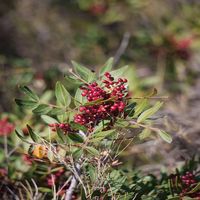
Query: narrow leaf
[85, 73]
[119, 72]
[92, 151]
[103, 134]
[34, 137]
[165, 136]
[48, 119]
[76, 137]
[26, 103]
[107, 66]
[79, 100]
[146, 114]
[29, 92]
[62, 95]
[42, 109]
[60, 134]
[20, 136]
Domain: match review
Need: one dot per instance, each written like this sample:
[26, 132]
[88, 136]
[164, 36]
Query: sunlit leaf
[62, 95]
[48, 119]
[85, 73]
[42, 109]
[147, 113]
[107, 66]
[165, 136]
[92, 151]
[119, 72]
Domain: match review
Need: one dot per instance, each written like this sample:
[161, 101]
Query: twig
[122, 48]
[74, 182]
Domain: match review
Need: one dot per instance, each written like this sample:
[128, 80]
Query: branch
[122, 48]
[73, 184]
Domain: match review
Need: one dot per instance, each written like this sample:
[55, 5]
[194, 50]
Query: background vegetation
[159, 40]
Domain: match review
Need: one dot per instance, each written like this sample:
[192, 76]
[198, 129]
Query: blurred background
[158, 39]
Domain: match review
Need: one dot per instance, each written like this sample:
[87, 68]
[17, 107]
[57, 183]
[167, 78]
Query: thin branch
[122, 48]
[74, 182]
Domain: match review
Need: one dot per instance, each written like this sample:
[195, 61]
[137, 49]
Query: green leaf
[29, 92]
[85, 73]
[140, 107]
[119, 72]
[147, 113]
[60, 134]
[62, 95]
[44, 190]
[165, 136]
[42, 109]
[107, 66]
[34, 137]
[76, 126]
[130, 109]
[26, 103]
[79, 99]
[91, 172]
[92, 151]
[50, 155]
[48, 119]
[56, 111]
[144, 134]
[76, 137]
[19, 134]
[73, 80]
[101, 135]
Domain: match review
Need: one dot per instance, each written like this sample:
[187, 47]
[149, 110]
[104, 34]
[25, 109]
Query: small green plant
[88, 131]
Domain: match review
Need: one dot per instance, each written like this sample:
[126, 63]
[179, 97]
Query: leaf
[144, 134]
[85, 73]
[76, 137]
[48, 119]
[130, 109]
[119, 72]
[147, 113]
[29, 92]
[42, 109]
[34, 137]
[18, 133]
[101, 135]
[62, 95]
[79, 99]
[165, 136]
[44, 190]
[56, 111]
[76, 126]
[92, 151]
[60, 134]
[91, 172]
[73, 80]
[107, 66]
[50, 155]
[140, 107]
[26, 103]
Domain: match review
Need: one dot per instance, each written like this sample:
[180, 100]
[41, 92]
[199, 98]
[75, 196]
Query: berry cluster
[189, 181]
[109, 99]
[65, 127]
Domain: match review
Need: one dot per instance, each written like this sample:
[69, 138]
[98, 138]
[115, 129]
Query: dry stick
[74, 182]
[122, 48]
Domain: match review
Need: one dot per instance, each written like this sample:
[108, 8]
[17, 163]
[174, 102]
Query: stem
[73, 184]
[6, 150]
